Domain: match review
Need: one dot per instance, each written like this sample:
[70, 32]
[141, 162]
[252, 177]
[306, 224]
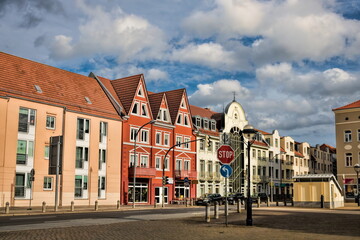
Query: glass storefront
[141, 192]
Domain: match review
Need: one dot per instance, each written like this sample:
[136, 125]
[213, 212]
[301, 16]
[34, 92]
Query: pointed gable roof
[63, 88]
[155, 100]
[174, 98]
[355, 104]
[126, 89]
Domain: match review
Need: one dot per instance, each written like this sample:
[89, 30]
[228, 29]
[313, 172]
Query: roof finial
[234, 96]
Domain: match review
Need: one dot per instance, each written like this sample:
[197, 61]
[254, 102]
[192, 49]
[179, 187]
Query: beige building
[37, 102]
[347, 125]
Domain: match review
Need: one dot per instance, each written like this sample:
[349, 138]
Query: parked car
[210, 198]
[232, 199]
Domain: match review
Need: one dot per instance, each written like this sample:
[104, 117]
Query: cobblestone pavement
[269, 223]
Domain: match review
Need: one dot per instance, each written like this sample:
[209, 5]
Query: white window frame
[51, 123]
[179, 119]
[103, 130]
[187, 145]
[29, 151]
[348, 160]
[178, 164]
[144, 136]
[144, 111]
[213, 125]
[86, 130]
[179, 140]
[144, 161]
[167, 161]
[158, 138]
[347, 136]
[166, 139]
[206, 123]
[133, 132]
[46, 183]
[198, 121]
[136, 108]
[187, 165]
[186, 120]
[165, 115]
[158, 162]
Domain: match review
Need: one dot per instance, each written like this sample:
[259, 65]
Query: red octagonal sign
[225, 154]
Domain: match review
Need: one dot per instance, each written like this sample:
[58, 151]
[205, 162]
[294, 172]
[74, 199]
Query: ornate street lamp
[250, 132]
[357, 170]
[135, 159]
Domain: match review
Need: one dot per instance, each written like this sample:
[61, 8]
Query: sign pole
[57, 175]
[226, 202]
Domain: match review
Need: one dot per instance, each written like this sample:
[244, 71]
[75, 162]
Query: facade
[37, 102]
[347, 126]
[323, 159]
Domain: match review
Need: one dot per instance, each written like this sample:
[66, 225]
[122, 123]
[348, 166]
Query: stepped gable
[125, 89]
[155, 100]
[355, 104]
[174, 100]
[55, 86]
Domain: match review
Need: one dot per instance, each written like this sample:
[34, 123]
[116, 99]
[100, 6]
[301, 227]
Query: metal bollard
[43, 209]
[258, 202]
[322, 201]
[277, 203]
[238, 206]
[118, 204]
[245, 205]
[226, 208]
[268, 202]
[72, 207]
[191, 202]
[96, 205]
[207, 213]
[292, 201]
[7, 208]
[216, 210]
[285, 203]
[155, 204]
[186, 203]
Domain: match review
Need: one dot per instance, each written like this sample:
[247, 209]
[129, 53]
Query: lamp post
[357, 170]
[135, 159]
[248, 129]
[272, 176]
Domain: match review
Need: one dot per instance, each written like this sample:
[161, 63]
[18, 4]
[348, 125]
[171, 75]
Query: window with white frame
[166, 139]
[46, 152]
[178, 121]
[102, 155]
[48, 182]
[20, 185]
[213, 125]
[198, 121]
[103, 131]
[26, 119]
[81, 182]
[166, 163]
[140, 92]
[187, 144]
[83, 127]
[25, 149]
[165, 115]
[132, 160]
[348, 160]
[144, 161]
[187, 165]
[135, 109]
[182, 104]
[82, 154]
[202, 145]
[50, 122]
[347, 136]
[133, 132]
[358, 135]
[143, 110]
[144, 136]
[217, 145]
[157, 162]
[178, 140]
[178, 164]
[186, 120]
[206, 124]
[158, 138]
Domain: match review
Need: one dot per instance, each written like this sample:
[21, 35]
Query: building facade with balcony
[38, 102]
[347, 127]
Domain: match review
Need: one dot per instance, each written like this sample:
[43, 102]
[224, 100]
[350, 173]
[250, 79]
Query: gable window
[50, 122]
[182, 104]
[348, 160]
[103, 131]
[143, 110]
[178, 121]
[144, 136]
[158, 138]
[140, 92]
[48, 183]
[347, 136]
[26, 119]
[186, 120]
[135, 109]
[166, 139]
[83, 126]
[165, 119]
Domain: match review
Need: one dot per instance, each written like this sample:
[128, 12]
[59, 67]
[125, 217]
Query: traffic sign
[226, 170]
[225, 154]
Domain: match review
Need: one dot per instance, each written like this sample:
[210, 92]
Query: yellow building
[39, 101]
[347, 125]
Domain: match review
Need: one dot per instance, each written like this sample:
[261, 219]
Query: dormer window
[198, 121]
[206, 124]
[213, 125]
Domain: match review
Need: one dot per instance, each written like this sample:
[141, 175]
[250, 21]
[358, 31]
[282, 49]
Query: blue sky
[289, 62]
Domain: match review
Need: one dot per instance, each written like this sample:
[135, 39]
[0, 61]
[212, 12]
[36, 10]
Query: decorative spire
[234, 96]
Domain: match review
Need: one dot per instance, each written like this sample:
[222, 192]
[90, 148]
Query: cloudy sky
[289, 62]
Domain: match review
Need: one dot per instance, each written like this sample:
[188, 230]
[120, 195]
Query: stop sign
[225, 154]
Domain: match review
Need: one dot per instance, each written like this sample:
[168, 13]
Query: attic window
[38, 89]
[88, 100]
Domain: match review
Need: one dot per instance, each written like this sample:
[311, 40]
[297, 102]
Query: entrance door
[158, 195]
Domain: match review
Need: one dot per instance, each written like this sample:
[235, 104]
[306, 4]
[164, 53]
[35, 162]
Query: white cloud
[115, 33]
[216, 94]
[156, 75]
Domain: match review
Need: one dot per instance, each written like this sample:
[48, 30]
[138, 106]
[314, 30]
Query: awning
[348, 181]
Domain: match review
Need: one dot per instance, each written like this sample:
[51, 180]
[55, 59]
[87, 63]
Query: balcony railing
[185, 173]
[142, 171]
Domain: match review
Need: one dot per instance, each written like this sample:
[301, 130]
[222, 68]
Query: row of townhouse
[347, 126]
[119, 141]
[275, 160]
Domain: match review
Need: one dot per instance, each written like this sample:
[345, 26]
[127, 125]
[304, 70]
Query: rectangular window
[78, 186]
[20, 185]
[144, 136]
[202, 145]
[216, 146]
[133, 132]
[166, 139]
[187, 144]
[358, 135]
[210, 146]
[48, 183]
[132, 160]
[347, 136]
[26, 119]
[213, 125]
[276, 142]
[102, 157]
[187, 165]
[157, 162]
[144, 161]
[167, 163]
[178, 164]
[50, 122]
[82, 154]
[179, 119]
[206, 124]
[178, 141]
[21, 156]
[198, 122]
[165, 118]
[158, 138]
[83, 127]
[143, 110]
[186, 120]
[348, 160]
[103, 131]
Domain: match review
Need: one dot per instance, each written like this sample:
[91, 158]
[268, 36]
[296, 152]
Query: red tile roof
[155, 100]
[263, 132]
[282, 150]
[298, 154]
[260, 143]
[331, 149]
[19, 77]
[174, 100]
[351, 105]
[126, 88]
[202, 112]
